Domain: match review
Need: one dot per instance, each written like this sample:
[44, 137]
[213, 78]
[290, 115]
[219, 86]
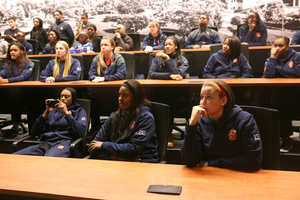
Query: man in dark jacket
[202, 37]
[63, 27]
[122, 40]
[26, 44]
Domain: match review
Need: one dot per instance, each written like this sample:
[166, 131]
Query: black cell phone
[51, 103]
[165, 189]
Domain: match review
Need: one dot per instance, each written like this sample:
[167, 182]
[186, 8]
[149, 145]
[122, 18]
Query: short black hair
[205, 15]
[58, 12]
[56, 33]
[93, 26]
[234, 45]
[85, 14]
[286, 39]
[12, 17]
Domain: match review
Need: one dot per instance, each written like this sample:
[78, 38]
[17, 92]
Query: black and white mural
[280, 16]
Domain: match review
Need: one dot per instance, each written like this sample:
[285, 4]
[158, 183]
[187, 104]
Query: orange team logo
[257, 34]
[291, 64]
[132, 125]
[232, 135]
[158, 42]
[197, 33]
[235, 60]
[207, 33]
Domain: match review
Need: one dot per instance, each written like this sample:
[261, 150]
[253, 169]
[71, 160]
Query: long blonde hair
[101, 62]
[68, 61]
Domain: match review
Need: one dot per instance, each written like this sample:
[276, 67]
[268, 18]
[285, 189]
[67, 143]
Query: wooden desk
[62, 178]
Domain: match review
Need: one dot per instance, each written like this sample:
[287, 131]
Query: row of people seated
[169, 64]
[253, 32]
[130, 133]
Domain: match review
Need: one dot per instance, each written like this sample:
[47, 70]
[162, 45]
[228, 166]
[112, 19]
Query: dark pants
[52, 149]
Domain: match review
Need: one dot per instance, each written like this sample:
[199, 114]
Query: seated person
[254, 32]
[92, 31]
[202, 37]
[61, 125]
[25, 43]
[107, 66]
[228, 62]
[16, 68]
[284, 62]
[3, 46]
[53, 36]
[155, 39]
[219, 133]
[63, 67]
[122, 40]
[83, 44]
[296, 38]
[129, 133]
[169, 64]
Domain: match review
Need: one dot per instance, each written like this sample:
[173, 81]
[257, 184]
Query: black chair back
[212, 27]
[151, 56]
[86, 104]
[214, 48]
[1, 63]
[36, 70]
[245, 50]
[136, 37]
[34, 45]
[169, 33]
[130, 64]
[98, 38]
[267, 121]
[162, 123]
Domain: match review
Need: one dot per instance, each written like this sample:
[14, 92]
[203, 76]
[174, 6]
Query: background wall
[281, 17]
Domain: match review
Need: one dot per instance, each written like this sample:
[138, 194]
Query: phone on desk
[165, 189]
[51, 102]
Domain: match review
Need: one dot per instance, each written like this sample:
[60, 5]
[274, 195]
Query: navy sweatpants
[52, 149]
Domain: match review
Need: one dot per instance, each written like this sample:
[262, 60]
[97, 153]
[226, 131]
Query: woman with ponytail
[107, 66]
[219, 133]
[16, 68]
[63, 67]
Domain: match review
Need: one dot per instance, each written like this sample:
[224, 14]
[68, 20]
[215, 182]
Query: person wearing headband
[228, 62]
[219, 133]
[155, 39]
[169, 64]
[202, 37]
[61, 124]
[129, 133]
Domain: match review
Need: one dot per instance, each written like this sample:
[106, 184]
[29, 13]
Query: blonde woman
[107, 66]
[63, 67]
[155, 39]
